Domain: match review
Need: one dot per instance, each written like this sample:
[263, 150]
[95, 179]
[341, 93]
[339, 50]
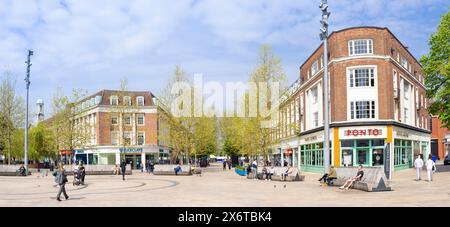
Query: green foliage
[437, 69]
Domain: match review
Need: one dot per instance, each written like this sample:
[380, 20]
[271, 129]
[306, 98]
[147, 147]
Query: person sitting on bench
[354, 179]
[328, 177]
[177, 169]
[286, 173]
[21, 171]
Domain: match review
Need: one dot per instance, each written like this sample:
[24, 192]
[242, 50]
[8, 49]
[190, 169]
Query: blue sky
[93, 44]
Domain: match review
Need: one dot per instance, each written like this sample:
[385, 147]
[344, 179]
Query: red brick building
[377, 104]
[440, 138]
[128, 123]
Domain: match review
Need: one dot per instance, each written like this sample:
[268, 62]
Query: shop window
[362, 143]
[378, 143]
[377, 157]
[347, 143]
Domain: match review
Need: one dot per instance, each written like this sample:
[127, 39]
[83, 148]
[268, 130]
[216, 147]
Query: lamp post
[27, 82]
[324, 37]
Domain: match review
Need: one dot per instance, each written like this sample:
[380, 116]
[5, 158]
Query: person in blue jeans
[177, 169]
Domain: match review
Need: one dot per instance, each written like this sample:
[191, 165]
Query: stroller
[78, 176]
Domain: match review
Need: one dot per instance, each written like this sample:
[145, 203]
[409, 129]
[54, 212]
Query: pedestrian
[229, 164]
[431, 166]
[224, 165]
[82, 172]
[123, 168]
[254, 169]
[418, 164]
[61, 180]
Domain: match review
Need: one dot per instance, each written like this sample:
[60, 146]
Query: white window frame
[137, 138]
[117, 119]
[315, 68]
[125, 116]
[404, 62]
[372, 110]
[114, 138]
[112, 98]
[371, 77]
[138, 99]
[127, 100]
[351, 47]
[143, 119]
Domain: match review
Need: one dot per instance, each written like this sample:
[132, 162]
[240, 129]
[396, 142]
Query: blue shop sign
[131, 150]
[79, 151]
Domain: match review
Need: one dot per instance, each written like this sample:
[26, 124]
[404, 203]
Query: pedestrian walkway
[224, 188]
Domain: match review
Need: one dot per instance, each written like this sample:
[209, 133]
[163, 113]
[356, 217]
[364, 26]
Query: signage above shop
[65, 152]
[363, 132]
[131, 150]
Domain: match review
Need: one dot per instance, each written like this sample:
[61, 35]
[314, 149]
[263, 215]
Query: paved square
[219, 189]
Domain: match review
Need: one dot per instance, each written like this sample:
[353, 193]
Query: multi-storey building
[377, 104]
[119, 125]
[440, 138]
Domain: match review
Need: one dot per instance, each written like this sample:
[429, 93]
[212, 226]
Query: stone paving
[219, 189]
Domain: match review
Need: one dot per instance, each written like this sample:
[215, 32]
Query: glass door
[362, 156]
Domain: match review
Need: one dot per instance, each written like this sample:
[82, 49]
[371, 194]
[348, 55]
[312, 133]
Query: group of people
[328, 178]
[429, 164]
[226, 163]
[268, 171]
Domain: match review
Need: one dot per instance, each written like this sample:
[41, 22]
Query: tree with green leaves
[69, 134]
[247, 134]
[13, 111]
[436, 66]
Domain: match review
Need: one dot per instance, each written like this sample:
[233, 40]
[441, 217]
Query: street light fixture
[324, 37]
[27, 82]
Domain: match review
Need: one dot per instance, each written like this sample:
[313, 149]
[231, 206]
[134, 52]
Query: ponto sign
[363, 132]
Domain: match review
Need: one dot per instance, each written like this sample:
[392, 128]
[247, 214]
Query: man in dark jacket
[123, 168]
[61, 180]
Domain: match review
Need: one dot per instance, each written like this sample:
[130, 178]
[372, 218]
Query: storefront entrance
[366, 152]
[134, 160]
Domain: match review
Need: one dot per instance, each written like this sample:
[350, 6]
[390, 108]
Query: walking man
[430, 168]
[123, 168]
[418, 164]
[61, 180]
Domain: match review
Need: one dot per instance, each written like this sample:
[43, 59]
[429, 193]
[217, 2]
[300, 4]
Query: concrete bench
[294, 176]
[98, 169]
[170, 170]
[10, 170]
[374, 179]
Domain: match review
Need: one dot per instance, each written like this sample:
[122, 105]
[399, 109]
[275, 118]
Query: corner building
[377, 105]
[126, 125]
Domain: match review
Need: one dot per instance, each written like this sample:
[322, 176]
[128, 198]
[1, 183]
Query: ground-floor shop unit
[377, 144]
[136, 156]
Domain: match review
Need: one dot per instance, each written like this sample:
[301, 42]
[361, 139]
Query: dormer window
[360, 47]
[404, 62]
[114, 100]
[140, 100]
[127, 100]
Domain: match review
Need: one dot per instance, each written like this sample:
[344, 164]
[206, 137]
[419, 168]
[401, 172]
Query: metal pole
[27, 81]
[324, 36]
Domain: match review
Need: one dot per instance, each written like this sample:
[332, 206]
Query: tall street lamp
[27, 82]
[324, 37]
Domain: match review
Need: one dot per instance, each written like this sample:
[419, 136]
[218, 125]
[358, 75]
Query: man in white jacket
[418, 164]
[430, 164]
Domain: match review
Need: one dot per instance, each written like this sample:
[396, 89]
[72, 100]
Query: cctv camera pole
[27, 82]
[324, 37]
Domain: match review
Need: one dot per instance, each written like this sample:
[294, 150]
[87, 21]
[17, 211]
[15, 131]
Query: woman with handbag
[61, 180]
